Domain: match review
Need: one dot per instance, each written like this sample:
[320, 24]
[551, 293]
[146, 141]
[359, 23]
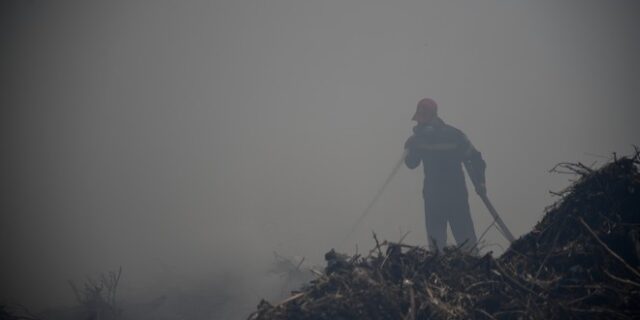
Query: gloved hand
[411, 144]
[412, 158]
[481, 189]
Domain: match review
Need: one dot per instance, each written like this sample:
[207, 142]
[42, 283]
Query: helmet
[426, 110]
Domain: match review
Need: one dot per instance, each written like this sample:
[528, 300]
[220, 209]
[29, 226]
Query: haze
[201, 136]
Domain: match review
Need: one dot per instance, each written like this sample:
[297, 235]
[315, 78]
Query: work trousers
[440, 210]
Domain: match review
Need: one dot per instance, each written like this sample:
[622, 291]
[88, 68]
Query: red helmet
[426, 110]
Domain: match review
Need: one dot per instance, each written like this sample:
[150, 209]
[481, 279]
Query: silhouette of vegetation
[581, 261]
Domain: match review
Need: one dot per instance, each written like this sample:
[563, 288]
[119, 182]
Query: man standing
[443, 150]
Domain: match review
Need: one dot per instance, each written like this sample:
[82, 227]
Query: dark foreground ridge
[580, 262]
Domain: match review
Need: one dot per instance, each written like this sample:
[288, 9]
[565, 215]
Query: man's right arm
[412, 159]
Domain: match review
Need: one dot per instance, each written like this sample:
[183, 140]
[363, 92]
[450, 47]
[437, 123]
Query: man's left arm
[475, 165]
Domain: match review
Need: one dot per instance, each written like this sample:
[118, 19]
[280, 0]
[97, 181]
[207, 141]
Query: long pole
[503, 228]
[377, 196]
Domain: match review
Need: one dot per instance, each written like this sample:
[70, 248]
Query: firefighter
[442, 150]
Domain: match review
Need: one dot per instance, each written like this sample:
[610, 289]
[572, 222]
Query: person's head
[426, 111]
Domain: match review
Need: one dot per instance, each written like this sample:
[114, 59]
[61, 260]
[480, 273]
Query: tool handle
[505, 231]
[376, 197]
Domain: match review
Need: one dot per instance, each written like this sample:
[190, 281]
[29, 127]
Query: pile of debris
[581, 261]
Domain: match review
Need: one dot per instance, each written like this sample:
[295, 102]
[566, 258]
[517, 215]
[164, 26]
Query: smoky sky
[201, 136]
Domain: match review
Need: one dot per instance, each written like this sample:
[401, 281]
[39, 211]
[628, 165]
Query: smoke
[201, 136]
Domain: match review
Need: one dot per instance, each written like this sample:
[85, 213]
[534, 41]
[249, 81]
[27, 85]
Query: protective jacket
[442, 150]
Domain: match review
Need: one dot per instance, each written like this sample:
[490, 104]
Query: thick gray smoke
[187, 140]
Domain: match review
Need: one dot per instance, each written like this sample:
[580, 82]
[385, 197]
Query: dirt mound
[581, 261]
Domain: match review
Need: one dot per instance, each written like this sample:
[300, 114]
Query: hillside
[580, 261]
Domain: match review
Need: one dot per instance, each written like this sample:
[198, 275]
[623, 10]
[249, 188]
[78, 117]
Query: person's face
[424, 115]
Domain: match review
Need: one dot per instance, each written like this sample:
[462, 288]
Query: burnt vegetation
[580, 261]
